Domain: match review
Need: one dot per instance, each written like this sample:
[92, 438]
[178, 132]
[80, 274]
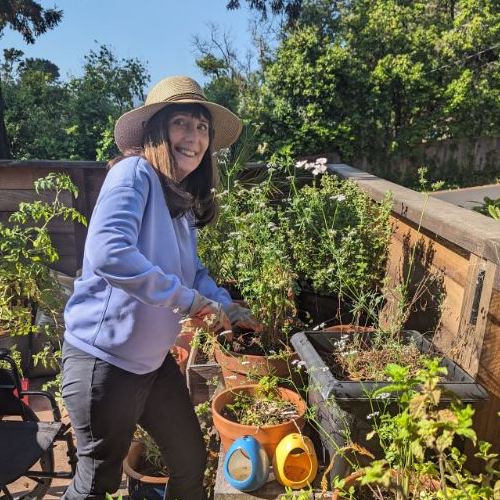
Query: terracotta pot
[242, 369]
[184, 340]
[181, 357]
[268, 436]
[141, 485]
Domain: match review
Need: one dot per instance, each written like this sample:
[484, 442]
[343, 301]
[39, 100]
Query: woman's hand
[242, 317]
[203, 307]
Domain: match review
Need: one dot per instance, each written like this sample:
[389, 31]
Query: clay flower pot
[243, 369]
[181, 357]
[141, 485]
[268, 436]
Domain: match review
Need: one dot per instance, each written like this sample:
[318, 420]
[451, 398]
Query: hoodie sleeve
[112, 252]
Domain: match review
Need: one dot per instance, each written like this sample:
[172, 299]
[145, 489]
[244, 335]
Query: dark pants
[105, 403]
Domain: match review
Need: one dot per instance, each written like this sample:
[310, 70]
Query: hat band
[187, 95]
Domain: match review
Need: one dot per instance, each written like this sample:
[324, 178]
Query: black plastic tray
[309, 344]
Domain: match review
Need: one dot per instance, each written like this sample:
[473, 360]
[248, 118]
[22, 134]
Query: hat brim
[129, 128]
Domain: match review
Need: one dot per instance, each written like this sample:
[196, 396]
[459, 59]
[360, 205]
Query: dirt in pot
[266, 407]
[249, 343]
[357, 358]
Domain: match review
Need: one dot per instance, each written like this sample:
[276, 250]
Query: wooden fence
[459, 248]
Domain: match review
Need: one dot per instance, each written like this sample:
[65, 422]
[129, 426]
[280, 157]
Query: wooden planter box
[202, 378]
[461, 248]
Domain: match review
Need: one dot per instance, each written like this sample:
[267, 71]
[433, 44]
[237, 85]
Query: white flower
[301, 164]
[371, 415]
[213, 190]
[321, 161]
[318, 169]
[337, 197]
[382, 395]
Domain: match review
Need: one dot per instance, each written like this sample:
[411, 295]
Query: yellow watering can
[295, 462]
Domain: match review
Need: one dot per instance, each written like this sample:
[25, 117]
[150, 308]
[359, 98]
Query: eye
[203, 127]
[180, 121]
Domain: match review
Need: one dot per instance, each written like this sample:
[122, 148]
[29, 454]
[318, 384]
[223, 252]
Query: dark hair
[195, 192]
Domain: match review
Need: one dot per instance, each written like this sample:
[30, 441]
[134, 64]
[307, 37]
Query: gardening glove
[202, 307]
[242, 317]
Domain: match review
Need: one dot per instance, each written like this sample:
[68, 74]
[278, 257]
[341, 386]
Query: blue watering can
[246, 466]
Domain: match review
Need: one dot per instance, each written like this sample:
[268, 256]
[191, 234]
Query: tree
[218, 59]
[109, 87]
[49, 118]
[374, 77]
[291, 9]
[30, 19]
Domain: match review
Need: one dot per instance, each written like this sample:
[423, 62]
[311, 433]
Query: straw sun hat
[129, 128]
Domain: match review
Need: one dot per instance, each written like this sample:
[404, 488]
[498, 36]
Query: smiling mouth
[186, 152]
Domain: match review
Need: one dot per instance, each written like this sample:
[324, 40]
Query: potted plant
[27, 284]
[144, 467]
[419, 435]
[339, 239]
[264, 410]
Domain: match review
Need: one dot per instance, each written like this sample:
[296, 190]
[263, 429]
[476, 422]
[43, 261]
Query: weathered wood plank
[441, 273]
[472, 231]
[51, 164]
[489, 361]
[10, 198]
[66, 264]
[468, 342]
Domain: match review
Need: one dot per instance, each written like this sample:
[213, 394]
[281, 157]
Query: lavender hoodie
[140, 267]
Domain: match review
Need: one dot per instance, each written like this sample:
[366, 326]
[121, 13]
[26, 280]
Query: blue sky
[159, 33]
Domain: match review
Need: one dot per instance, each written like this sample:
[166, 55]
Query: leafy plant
[290, 230]
[421, 458]
[338, 235]
[489, 207]
[152, 454]
[26, 251]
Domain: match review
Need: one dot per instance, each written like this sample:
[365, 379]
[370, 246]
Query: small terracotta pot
[181, 357]
[243, 369]
[140, 484]
[268, 436]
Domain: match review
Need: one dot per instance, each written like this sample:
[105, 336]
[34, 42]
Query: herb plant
[419, 442]
[26, 252]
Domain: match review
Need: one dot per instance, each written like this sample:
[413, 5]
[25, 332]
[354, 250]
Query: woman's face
[189, 138]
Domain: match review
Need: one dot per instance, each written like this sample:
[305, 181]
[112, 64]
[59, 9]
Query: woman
[140, 277]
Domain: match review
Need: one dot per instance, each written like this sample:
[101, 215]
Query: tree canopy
[30, 19]
[49, 118]
[373, 77]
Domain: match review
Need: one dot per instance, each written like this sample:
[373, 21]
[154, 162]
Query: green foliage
[152, 453]
[339, 237]
[48, 118]
[28, 18]
[26, 251]
[372, 78]
[489, 207]
[284, 234]
[421, 459]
